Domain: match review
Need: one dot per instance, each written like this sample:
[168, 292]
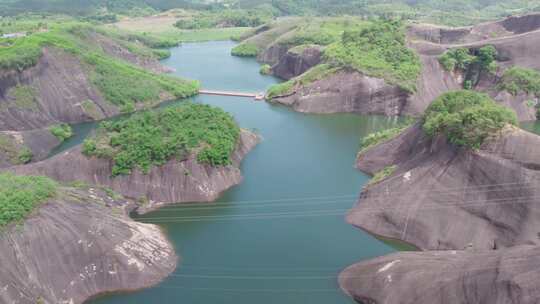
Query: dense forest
[453, 12]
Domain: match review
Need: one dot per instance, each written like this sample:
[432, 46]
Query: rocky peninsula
[470, 201]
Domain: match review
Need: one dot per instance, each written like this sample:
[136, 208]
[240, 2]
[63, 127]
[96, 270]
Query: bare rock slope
[13, 144]
[515, 38]
[60, 90]
[296, 62]
[177, 181]
[476, 212]
[78, 245]
[495, 277]
[443, 197]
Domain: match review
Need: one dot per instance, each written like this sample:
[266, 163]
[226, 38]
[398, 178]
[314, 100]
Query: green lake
[280, 236]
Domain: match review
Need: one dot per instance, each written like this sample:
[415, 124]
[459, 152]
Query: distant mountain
[451, 12]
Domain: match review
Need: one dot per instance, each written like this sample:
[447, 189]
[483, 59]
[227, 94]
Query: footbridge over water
[256, 96]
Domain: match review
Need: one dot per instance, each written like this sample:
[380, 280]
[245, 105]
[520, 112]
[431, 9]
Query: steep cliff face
[520, 103]
[175, 182]
[478, 209]
[78, 245]
[272, 54]
[498, 277]
[63, 86]
[443, 197]
[296, 62]
[515, 38]
[346, 91]
[58, 90]
[14, 144]
[353, 92]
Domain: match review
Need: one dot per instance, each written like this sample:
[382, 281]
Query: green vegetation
[471, 62]
[378, 50]
[126, 85]
[225, 18]
[449, 12]
[462, 59]
[151, 138]
[213, 34]
[266, 69]
[320, 31]
[25, 156]
[14, 152]
[150, 40]
[521, 80]
[466, 118]
[21, 96]
[382, 175]
[121, 83]
[297, 34]
[317, 72]
[21, 195]
[376, 138]
[61, 131]
[299, 49]
[456, 59]
[279, 89]
[92, 110]
[245, 49]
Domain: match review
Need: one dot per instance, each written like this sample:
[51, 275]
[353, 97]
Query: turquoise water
[532, 126]
[280, 236]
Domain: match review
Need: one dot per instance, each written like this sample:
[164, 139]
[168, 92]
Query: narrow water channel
[280, 236]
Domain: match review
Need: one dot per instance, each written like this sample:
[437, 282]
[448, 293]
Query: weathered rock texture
[515, 38]
[293, 63]
[40, 142]
[63, 93]
[62, 89]
[479, 209]
[346, 91]
[175, 182]
[78, 245]
[510, 26]
[494, 277]
[443, 197]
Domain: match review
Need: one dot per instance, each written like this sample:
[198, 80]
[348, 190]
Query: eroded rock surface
[175, 182]
[12, 143]
[515, 38]
[476, 212]
[346, 91]
[62, 92]
[495, 277]
[294, 63]
[78, 245]
[444, 197]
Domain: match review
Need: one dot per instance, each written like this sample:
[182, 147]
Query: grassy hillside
[378, 50]
[122, 84]
[374, 48]
[296, 32]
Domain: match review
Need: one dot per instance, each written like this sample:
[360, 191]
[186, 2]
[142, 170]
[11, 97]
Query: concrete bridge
[256, 96]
